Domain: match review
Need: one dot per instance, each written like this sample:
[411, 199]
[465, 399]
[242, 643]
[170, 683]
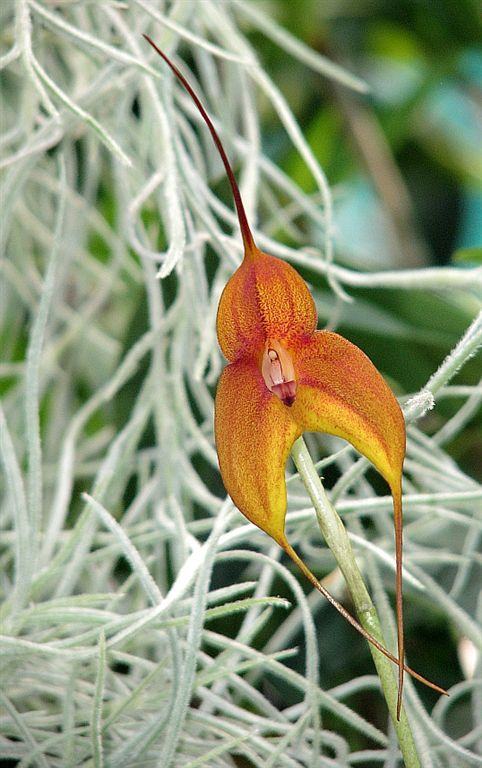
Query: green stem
[337, 539]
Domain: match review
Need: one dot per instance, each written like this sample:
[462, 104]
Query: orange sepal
[254, 435]
[265, 298]
[341, 392]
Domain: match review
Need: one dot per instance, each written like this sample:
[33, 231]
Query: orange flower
[284, 378]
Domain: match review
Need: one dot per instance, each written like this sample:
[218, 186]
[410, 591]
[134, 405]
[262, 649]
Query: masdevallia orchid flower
[284, 378]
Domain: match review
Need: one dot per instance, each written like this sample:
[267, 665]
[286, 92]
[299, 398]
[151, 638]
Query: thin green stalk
[337, 539]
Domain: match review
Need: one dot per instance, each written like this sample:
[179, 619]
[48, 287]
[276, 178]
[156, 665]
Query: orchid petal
[265, 298]
[341, 392]
[254, 435]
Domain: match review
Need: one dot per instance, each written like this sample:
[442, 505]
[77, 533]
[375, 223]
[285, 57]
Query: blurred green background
[404, 162]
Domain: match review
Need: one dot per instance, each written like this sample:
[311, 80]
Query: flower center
[278, 372]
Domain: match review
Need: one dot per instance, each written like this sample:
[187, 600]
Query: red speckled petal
[265, 298]
[254, 435]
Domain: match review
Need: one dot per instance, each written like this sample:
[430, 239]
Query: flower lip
[278, 372]
[286, 391]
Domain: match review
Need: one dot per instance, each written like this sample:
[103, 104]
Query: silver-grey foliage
[108, 656]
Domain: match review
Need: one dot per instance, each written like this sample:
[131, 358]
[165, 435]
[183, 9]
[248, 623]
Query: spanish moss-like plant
[144, 621]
